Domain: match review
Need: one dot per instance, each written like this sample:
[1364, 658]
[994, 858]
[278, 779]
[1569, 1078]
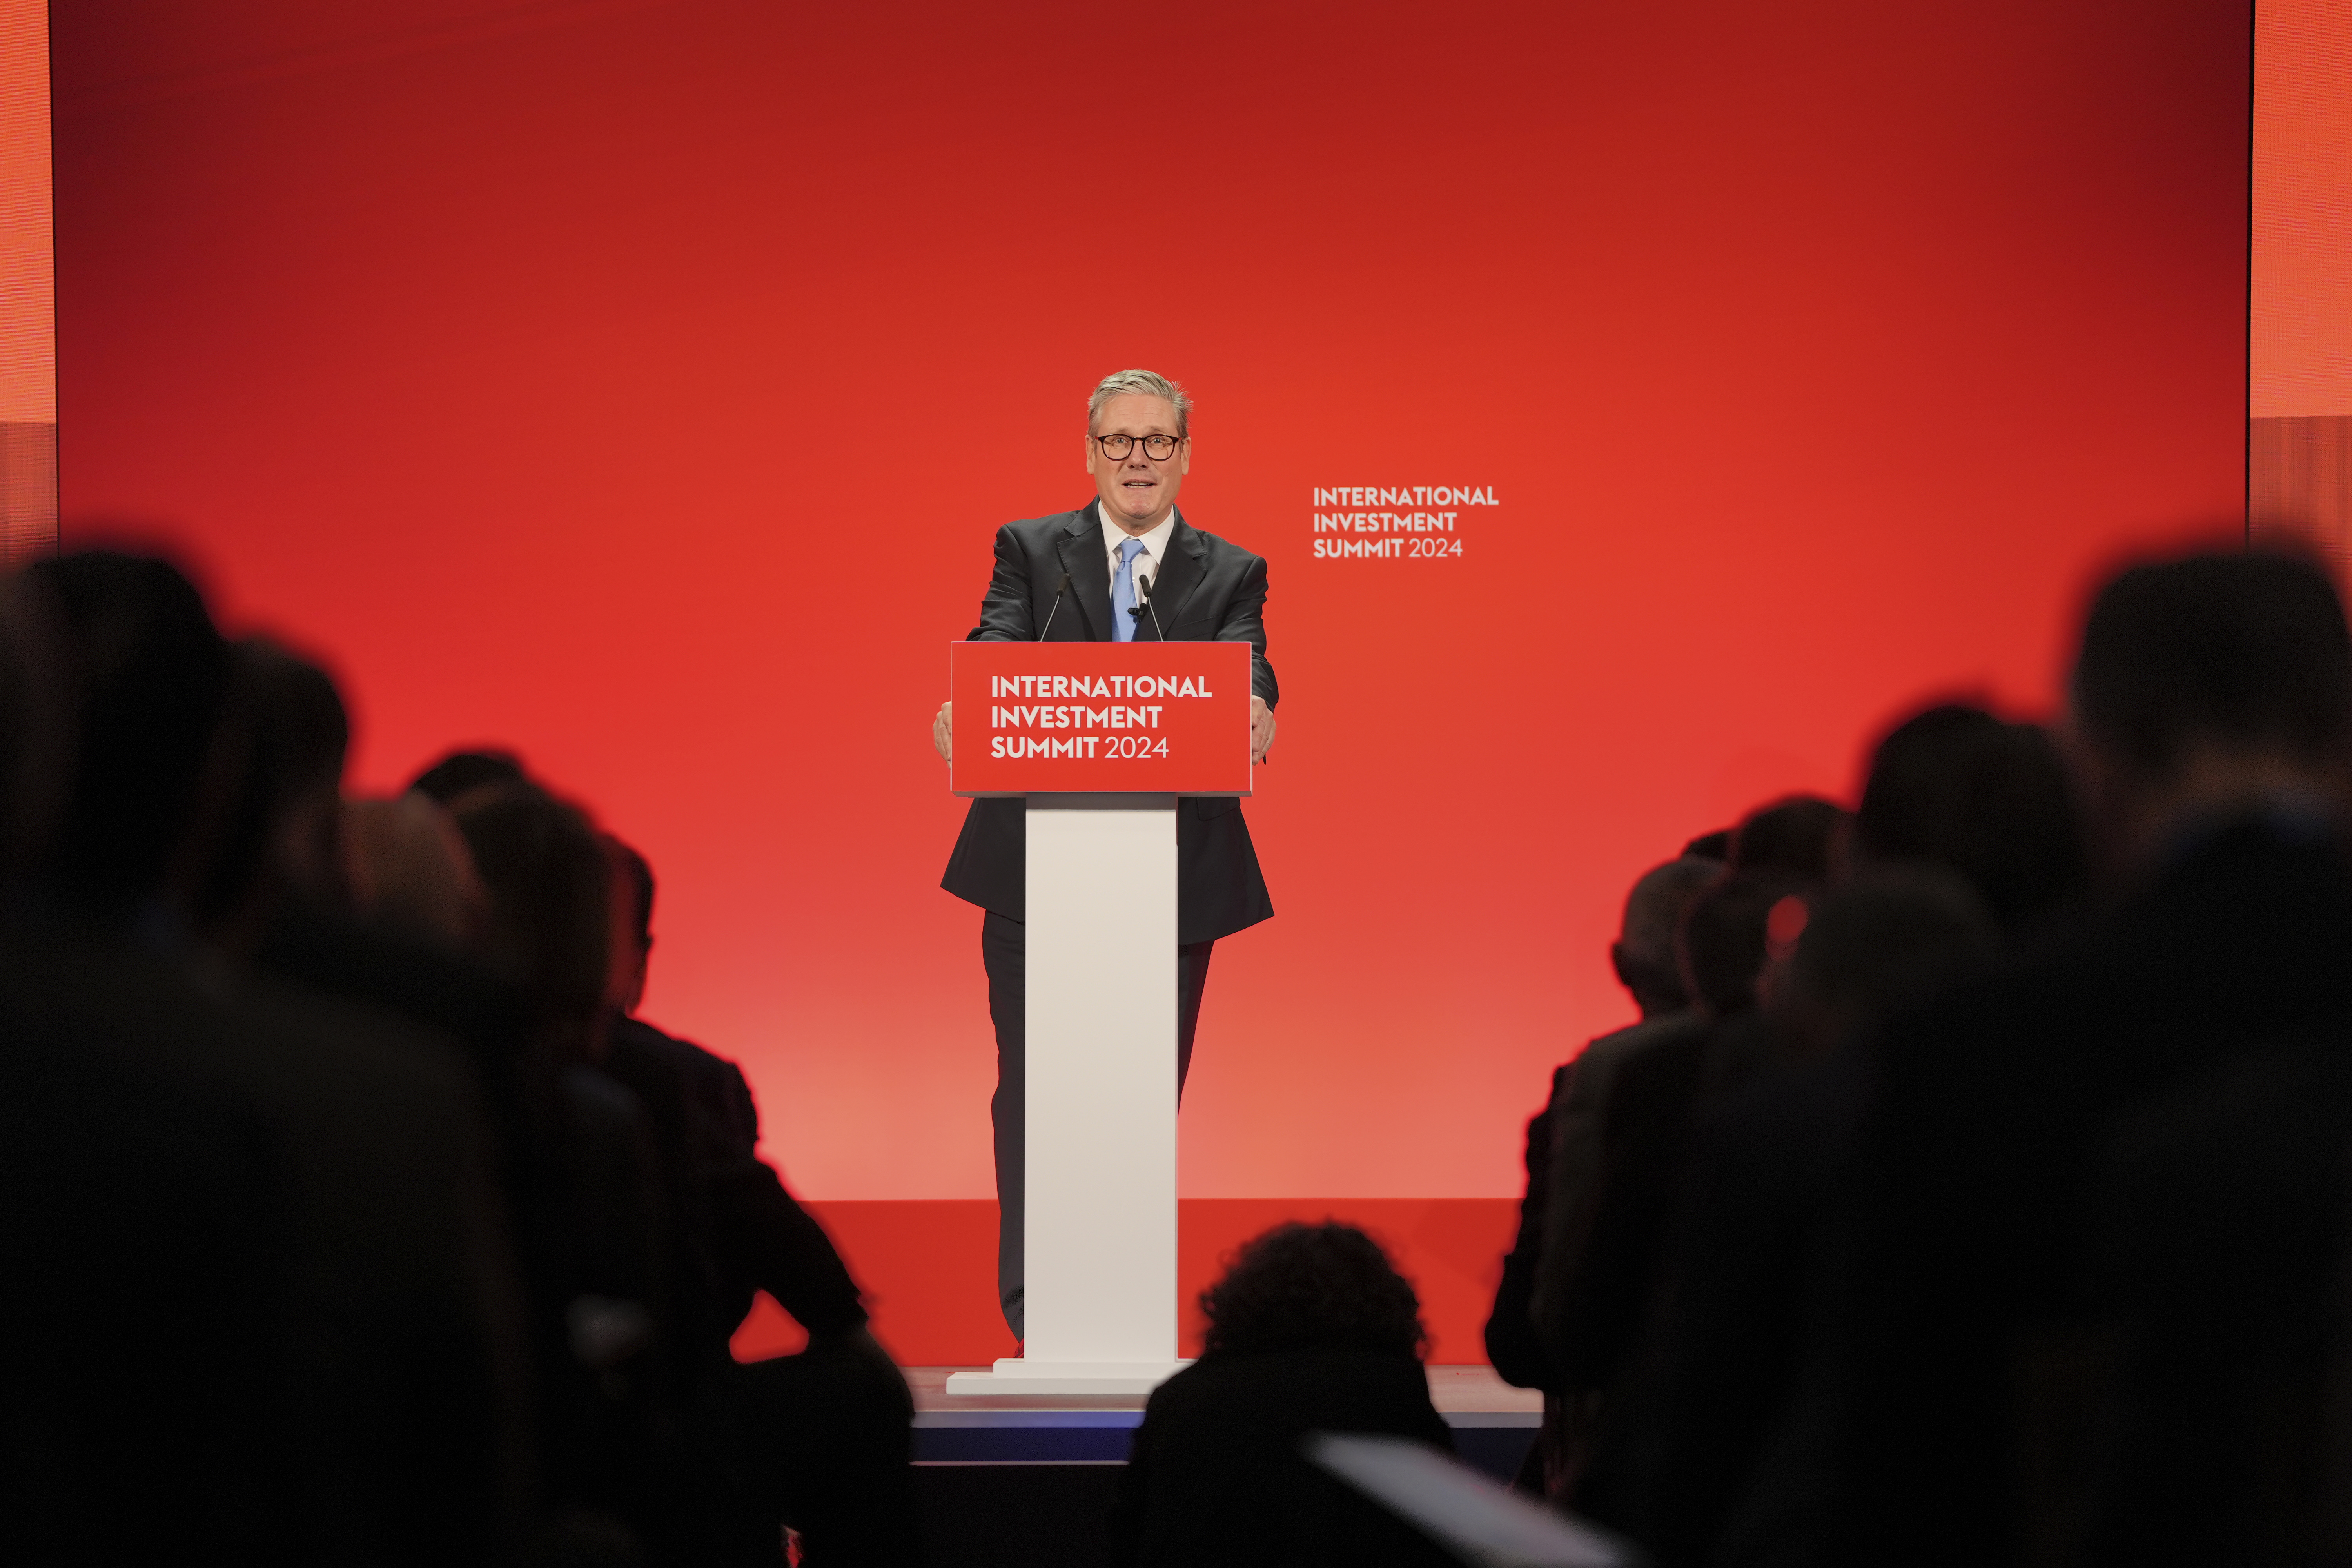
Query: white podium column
[1099, 1249]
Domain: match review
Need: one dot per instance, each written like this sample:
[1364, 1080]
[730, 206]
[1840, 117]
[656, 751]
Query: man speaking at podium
[1124, 566]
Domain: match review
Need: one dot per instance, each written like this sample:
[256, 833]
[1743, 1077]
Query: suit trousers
[1004, 952]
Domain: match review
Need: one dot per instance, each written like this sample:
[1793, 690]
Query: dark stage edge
[1029, 1479]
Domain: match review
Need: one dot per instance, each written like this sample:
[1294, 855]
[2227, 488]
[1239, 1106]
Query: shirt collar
[1155, 544]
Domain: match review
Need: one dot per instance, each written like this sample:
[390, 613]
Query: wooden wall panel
[28, 490]
[2299, 485]
[2301, 304]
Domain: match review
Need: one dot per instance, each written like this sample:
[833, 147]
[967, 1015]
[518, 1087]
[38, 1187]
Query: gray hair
[1149, 384]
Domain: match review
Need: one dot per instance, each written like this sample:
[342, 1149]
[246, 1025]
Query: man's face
[1137, 490]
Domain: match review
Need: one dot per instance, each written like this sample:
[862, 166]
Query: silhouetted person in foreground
[706, 1460]
[820, 1440]
[258, 1304]
[1644, 958]
[409, 927]
[1713, 1452]
[1618, 1116]
[588, 1175]
[1310, 1331]
[1609, 1213]
[2104, 1195]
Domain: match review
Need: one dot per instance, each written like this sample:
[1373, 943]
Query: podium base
[1016, 1375]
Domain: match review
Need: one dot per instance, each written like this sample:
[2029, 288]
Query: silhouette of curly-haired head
[1312, 1287]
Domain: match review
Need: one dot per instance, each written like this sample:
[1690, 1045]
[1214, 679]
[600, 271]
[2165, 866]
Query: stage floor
[1493, 1423]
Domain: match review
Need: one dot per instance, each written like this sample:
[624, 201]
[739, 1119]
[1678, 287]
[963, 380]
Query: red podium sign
[1085, 718]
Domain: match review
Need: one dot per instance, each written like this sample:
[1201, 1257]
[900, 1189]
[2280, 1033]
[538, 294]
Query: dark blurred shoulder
[1310, 1389]
[715, 1085]
[414, 981]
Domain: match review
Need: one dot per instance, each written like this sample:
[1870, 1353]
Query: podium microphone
[1060, 588]
[1143, 590]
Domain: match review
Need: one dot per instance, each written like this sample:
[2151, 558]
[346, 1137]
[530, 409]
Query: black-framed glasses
[1159, 448]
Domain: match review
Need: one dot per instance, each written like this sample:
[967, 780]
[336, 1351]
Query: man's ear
[632, 986]
[1618, 961]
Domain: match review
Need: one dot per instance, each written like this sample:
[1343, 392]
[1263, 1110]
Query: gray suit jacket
[1207, 591]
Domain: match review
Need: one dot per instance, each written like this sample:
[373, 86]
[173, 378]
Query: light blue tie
[1122, 592]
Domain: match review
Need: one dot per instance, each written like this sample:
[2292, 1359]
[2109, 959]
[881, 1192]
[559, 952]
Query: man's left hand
[1261, 730]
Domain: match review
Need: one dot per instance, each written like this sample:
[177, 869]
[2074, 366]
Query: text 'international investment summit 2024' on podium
[1101, 738]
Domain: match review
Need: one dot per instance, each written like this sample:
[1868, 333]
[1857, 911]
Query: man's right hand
[942, 733]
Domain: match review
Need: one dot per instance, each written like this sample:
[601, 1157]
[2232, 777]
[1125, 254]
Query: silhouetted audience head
[1798, 834]
[409, 871]
[1957, 787]
[2239, 655]
[1714, 846]
[549, 883]
[305, 733]
[1312, 1287]
[1888, 937]
[145, 675]
[267, 823]
[460, 772]
[1644, 953]
[1729, 934]
[2207, 687]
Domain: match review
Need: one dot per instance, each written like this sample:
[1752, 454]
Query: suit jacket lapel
[1083, 558]
[1180, 573]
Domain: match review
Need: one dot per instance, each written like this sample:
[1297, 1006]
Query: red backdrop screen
[1636, 406]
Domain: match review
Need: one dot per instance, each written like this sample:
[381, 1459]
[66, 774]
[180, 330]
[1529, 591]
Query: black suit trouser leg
[1003, 952]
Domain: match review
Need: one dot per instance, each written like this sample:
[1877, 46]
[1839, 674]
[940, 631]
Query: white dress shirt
[1155, 547]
